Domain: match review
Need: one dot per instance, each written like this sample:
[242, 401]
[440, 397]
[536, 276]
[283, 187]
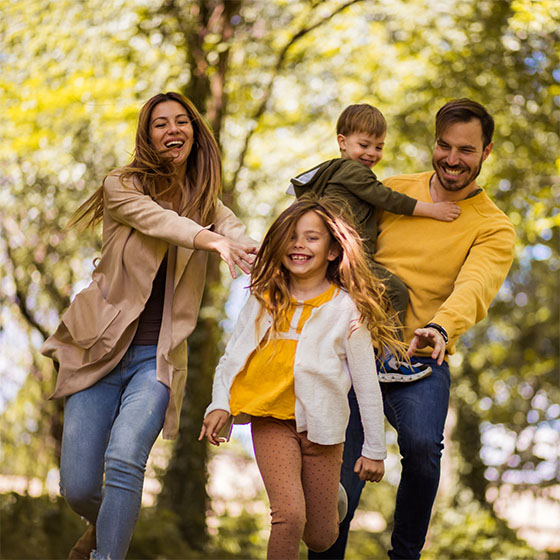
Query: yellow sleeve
[478, 281]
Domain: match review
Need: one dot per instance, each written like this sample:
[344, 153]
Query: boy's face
[362, 147]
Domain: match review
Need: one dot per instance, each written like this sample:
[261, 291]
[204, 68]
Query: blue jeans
[109, 429]
[417, 410]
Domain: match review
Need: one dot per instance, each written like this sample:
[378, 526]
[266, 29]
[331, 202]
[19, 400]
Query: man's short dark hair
[465, 110]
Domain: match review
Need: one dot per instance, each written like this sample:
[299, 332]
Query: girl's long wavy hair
[155, 172]
[270, 280]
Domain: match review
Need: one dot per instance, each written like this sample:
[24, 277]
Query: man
[453, 270]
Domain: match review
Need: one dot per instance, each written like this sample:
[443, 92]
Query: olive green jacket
[355, 183]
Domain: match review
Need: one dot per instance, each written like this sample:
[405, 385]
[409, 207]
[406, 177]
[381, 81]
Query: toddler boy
[361, 131]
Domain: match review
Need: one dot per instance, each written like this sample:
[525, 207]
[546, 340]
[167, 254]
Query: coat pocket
[89, 316]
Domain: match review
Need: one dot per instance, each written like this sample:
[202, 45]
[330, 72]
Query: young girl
[302, 339]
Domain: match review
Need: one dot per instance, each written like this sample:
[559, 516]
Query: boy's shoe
[342, 503]
[391, 371]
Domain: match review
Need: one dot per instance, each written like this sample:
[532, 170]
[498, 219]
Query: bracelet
[439, 329]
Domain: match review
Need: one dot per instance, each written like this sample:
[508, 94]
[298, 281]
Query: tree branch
[20, 298]
[280, 60]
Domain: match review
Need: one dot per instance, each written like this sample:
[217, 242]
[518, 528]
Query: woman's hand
[236, 254]
[212, 425]
[371, 470]
[232, 252]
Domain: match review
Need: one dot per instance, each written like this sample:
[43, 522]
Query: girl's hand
[212, 425]
[371, 470]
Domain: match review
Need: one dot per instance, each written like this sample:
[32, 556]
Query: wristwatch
[439, 329]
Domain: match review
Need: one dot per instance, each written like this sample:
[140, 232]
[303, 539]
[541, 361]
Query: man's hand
[428, 337]
[371, 470]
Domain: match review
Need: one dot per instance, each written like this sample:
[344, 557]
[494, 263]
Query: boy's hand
[371, 470]
[446, 211]
[443, 211]
[212, 425]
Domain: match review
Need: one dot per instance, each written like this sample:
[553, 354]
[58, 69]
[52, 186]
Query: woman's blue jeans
[109, 429]
[417, 410]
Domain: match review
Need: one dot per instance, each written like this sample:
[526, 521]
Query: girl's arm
[361, 365]
[443, 211]
[370, 470]
[236, 352]
[238, 348]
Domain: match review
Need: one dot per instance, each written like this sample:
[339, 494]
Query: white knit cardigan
[334, 352]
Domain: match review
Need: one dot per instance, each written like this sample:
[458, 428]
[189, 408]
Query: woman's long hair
[349, 271]
[155, 172]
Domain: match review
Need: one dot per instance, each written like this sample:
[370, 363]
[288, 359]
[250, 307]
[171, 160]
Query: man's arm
[476, 285]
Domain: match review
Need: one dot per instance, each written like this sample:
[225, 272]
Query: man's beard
[456, 186]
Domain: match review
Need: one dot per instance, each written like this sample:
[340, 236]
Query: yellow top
[265, 386]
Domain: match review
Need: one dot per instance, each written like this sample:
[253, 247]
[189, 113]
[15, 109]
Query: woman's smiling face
[171, 131]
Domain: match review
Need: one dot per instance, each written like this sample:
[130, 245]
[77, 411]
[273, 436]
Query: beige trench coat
[98, 327]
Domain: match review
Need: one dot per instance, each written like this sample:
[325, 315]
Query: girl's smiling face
[310, 249]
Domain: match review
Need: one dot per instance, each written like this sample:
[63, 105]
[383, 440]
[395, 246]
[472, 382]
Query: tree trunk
[185, 480]
[184, 484]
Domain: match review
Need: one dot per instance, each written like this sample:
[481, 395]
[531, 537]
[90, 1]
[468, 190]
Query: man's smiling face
[458, 156]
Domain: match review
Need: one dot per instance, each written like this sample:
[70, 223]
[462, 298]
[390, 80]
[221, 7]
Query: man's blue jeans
[417, 410]
[110, 428]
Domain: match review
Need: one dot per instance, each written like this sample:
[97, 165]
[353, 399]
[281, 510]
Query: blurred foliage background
[272, 76]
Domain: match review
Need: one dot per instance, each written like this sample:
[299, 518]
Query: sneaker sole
[342, 503]
[401, 377]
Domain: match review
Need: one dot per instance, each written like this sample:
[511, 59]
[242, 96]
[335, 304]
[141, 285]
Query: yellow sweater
[453, 269]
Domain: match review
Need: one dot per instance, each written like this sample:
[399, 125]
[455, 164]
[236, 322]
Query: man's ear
[487, 151]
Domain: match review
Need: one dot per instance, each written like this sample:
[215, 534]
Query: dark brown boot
[84, 545]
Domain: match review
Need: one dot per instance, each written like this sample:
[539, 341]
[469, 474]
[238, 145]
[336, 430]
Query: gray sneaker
[342, 503]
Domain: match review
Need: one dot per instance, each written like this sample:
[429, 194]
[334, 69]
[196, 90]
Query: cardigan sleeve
[228, 366]
[361, 364]
[129, 206]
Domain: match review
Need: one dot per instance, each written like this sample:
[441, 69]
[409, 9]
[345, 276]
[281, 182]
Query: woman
[121, 347]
